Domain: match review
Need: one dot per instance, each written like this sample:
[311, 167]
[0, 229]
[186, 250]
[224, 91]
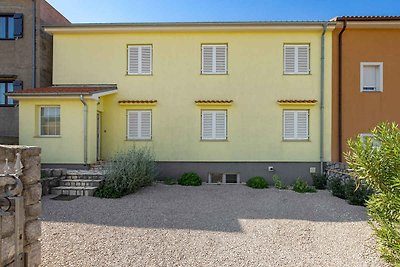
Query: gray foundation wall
[287, 171]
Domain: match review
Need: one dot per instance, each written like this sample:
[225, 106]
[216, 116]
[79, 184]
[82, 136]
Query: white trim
[295, 125]
[139, 112]
[40, 122]
[214, 61]
[378, 64]
[96, 96]
[296, 58]
[140, 59]
[213, 124]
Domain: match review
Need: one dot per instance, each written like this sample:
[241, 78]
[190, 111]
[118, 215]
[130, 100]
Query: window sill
[47, 136]
[139, 74]
[214, 140]
[296, 140]
[296, 74]
[213, 74]
[380, 91]
[138, 139]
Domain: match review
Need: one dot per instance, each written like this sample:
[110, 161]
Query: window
[139, 125]
[223, 178]
[295, 125]
[213, 124]
[140, 59]
[11, 26]
[214, 59]
[49, 121]
[296, 59]
[6, 87]
[371, 76]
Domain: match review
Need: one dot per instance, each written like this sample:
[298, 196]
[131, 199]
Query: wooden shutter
[295, 124]
[139, 124]
[18, 25]
[220, 125]
[296, 59]
[207, 125]
[140, 59]
[214, 59]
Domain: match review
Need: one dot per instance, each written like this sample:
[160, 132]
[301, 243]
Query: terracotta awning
[62, 91]
[294, 101]
[213, 101]
[137, 101]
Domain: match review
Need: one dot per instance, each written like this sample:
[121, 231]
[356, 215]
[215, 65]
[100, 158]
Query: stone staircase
[79, 183]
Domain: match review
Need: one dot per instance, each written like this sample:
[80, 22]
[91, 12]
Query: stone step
[74, 190]
[85, 176]
[82, 183]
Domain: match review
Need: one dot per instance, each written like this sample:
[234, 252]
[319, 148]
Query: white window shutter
[289, 59]
[302, 125]
[220, 125]
[207, 125]
[220, 59]
[214, 59]
[370, 77]
[302, 59]
[139, 124]
[139, 59]
[289, 125]
[146, 125]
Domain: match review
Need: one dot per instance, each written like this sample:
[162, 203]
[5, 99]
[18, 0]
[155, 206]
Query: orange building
[365, 78]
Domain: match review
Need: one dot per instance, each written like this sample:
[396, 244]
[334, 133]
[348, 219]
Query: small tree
[376, 161]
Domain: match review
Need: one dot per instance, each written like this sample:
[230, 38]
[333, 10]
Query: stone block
[32, 231]
[32, 161]
[7, 225]
[7, 250]
[31, 175]
[33, 211]
[33, 254]
[32, 194]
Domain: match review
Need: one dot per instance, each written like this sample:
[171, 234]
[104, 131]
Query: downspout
[340, 127]
[85, 118]
[322, 94]
[34, 44]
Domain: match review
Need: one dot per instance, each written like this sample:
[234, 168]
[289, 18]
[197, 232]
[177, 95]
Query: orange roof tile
[213, 101]
[137, 101]
[63, 90]
[297, 101]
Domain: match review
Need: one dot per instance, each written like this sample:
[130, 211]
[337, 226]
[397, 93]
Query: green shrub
[319, 181]
[170, 181]
[257, 182]
[190, 179]
[278, 183]
[126, 172]
[376, 161]
[337, 187]
[301, 186]
[356, 195]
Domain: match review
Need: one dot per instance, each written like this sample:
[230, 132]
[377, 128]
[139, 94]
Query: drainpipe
[85, 118]
[340, 127]
[33, 43]
[322, 94]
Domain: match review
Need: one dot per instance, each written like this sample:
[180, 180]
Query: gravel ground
[227, 225]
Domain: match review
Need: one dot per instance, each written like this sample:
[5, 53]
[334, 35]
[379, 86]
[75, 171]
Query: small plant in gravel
[278, 183]
[357, 194]
[170, 181]
[127, 172]
[376, 161]
[257, 182]
[337, 187]
[319, 181]
[190, 179]
[301, 186]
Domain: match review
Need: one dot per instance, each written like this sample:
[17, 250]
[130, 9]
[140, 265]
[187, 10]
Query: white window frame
[375, 64]
[140, 137]
[296, 59]
[224, 178]
[214, 64]
[214, 137]
[295, 138]
[140, 60]
[40, 122]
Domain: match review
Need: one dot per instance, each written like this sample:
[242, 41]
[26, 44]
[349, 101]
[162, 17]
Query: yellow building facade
[217, 97]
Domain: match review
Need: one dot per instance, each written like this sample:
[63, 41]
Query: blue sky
[219, 10]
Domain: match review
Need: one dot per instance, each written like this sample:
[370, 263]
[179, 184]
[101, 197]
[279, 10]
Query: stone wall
[51, 178]
[334, 170]
[30, 158]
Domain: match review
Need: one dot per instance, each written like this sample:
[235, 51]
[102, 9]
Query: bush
[278, 183]
[257, 182]
[127, 172]
[356, 195]
[377, 162]
[170, 181]
[319, 181]
[190, 179]
[337, 187]
[301, 186]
